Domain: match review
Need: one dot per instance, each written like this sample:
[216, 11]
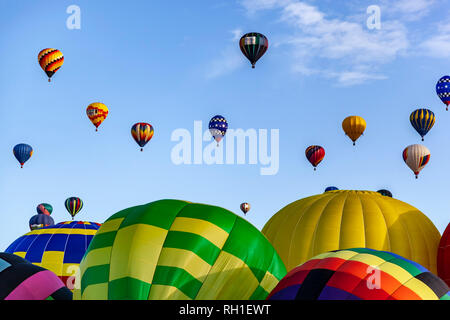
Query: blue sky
[170, 65]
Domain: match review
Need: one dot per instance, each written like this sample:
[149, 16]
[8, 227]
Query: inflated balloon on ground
[360, 274]
[443, 259]
[352, 219]
[172, 249]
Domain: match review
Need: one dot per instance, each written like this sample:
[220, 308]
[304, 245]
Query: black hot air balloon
[253, 45]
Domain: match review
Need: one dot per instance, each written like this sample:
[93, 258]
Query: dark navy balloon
[331, 189]
[218, 127]
[40, 221]
[23, 152]
[385, 193]
[443, 90]
[422, 120]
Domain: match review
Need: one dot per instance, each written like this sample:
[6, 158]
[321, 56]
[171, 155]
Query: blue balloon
[40, 221]
[23, 152]
[331, 189]
[218, 127]
[443, 90]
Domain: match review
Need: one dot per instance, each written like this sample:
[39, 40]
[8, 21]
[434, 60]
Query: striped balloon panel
[351, 275]
[422, 120]
[172, 249]
[253, 45]
[73, 205]
[416, 157]
[58, 248]
[142, 133]
[21, 280]
[315, 155]
[443, 258]
[97, 113]
[50, 60]
[443, 89]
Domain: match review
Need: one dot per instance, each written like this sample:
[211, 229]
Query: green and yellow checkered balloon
[177, 250]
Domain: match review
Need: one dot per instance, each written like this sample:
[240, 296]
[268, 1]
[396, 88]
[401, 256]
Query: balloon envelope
[44, 208]
[253, 45]
[97, 113]
[385, 193]
[50, 60]
[443, 260]
[315, 155]
[218, 127]
[23, 153]
[40, 221]
[422, 120]
[142, 133]
[331, 189]
[354, 127]
[73, 206]
[443, 90]
[416, 157]
[245, 207]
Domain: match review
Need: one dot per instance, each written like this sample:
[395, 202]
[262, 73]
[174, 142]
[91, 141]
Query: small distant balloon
[385, 193]
[40, 221]
[253, 45]
[218, 127]
[331, 189]
[44, 208]
[50, 60]
[354, 127]
[97, 113]
[142, 133]
[73, 205]
[23, 153]
[416, 157]
[422, 120]
[315, 155]
[443, 90]
[245, 207]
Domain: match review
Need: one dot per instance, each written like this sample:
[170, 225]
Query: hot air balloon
[315, 155]
[218, 127]
[50, 60]
[385, 193]
[58, 248]
[443, 90]
[328, 189]
[245, 207]
[422, 120]
[73, 205]
[443, 258]
[416, 157]
[22, 152]
[142, 133]
[360, 274]
[173, 250]
[21, 280]
[253, 45]
[44, 208]
[354, 127]
[352, 219]
[40, 220]
[97, 113]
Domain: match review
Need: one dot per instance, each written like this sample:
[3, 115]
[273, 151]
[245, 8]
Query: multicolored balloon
[422, 120]
[142, 133]
[44, 208]
[23, 153]
[97, 113]
[253, 45]
[354, 127]
[50, 60]
[315, 155]
[245, 207]
[73, 205]
[416, 157]
[21, 280]
[443, 90]
[328, 189]
[360, 274]
[40, 221]
[443, 258]
[385, 193]
[218, 127]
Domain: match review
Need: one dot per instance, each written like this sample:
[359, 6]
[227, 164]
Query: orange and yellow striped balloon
[97, 113]
[50, 60]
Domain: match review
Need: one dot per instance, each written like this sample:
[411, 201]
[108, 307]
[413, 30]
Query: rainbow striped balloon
[360, 274]
[142, 133]
[176, 250]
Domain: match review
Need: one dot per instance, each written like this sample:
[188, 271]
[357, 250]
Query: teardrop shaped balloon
[443, 90]
[23, 153]
[315, 155]
[142, 133]
[422, 120]
[253, 45]
[416, 157]
[44, 208]
[218, 127]
[97, 113]
[354, 127]
[245, 207]
[73, 205]
[50, 60]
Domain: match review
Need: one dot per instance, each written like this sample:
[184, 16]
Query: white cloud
[438, 46]
[229, 60]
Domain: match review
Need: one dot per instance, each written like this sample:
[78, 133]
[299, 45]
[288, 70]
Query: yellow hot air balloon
[354, 127]
[97, 113]
[50, 60]
[346, 219]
